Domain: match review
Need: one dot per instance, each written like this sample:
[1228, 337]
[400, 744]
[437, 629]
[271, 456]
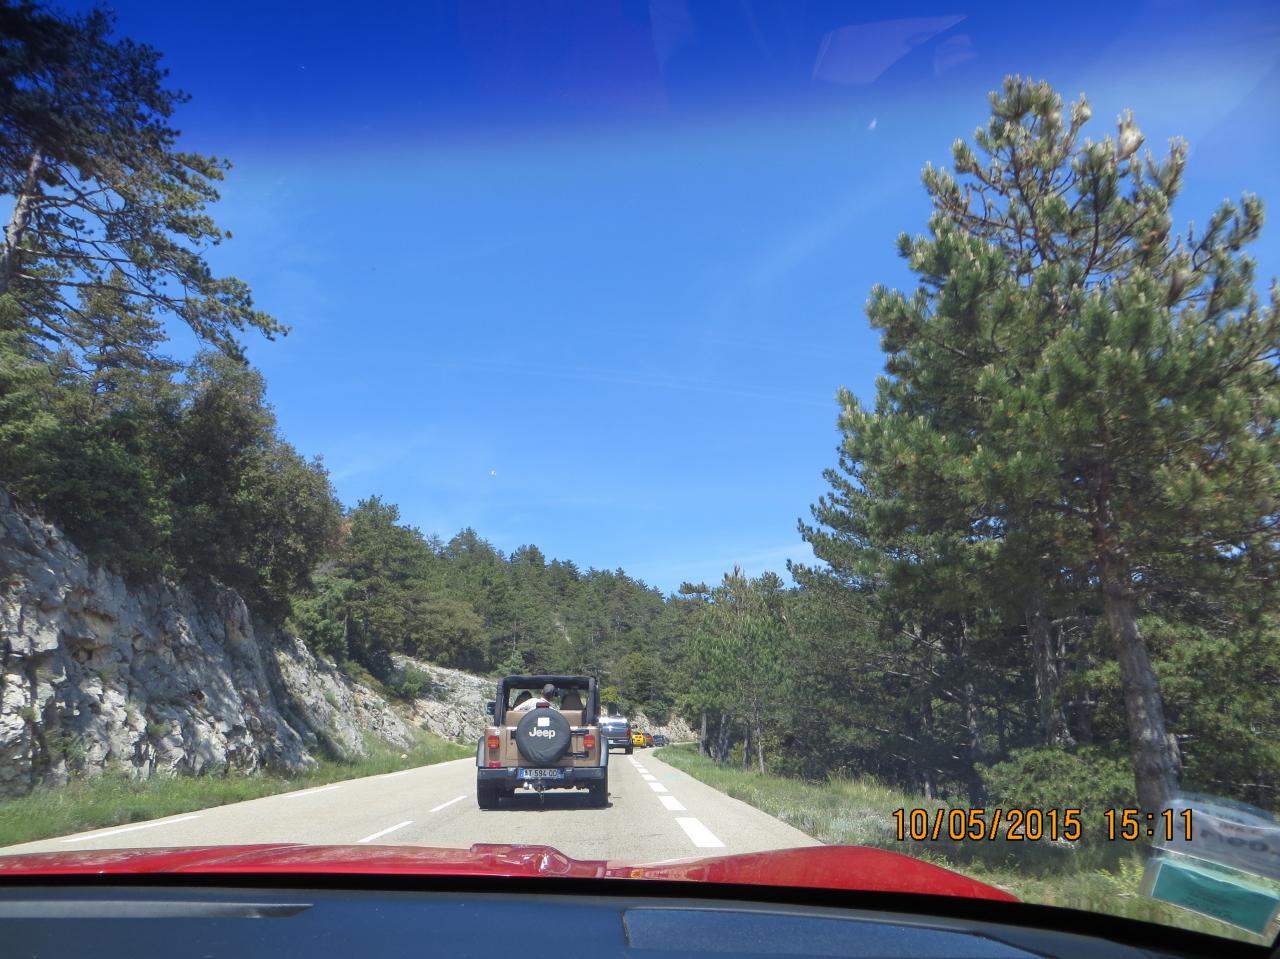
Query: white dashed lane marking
[116, 832]
[449, 803]
[702, 837]
[311, 792]
[389, 829]
[699, 835]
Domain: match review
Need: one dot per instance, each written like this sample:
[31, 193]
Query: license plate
[542, 774]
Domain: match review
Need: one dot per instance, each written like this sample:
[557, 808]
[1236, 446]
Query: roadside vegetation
[117, 798]
[858, 811]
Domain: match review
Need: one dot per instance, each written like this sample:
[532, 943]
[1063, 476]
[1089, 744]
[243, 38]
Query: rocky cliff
[161, 678]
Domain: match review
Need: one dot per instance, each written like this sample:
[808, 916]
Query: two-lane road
[655, 813]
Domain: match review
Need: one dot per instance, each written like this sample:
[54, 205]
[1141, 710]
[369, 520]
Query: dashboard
[115, 921]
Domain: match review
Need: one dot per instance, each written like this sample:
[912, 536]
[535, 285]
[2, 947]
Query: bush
[408, 682]
[1047, 778]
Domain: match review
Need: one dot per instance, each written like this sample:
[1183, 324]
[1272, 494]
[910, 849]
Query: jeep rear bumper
[573, 776]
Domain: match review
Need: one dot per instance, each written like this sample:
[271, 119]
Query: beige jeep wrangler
[545, 735]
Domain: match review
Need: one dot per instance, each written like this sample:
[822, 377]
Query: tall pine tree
[1076, 393]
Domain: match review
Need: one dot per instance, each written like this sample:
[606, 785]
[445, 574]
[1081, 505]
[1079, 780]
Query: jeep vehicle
[545, 735]
[617, 733]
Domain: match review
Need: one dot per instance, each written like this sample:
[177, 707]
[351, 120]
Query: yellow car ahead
[637, 739]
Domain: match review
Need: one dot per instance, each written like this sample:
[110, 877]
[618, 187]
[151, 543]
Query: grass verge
[115, 798]
[859, 811]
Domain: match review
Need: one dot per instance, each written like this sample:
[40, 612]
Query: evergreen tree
[1076, 394]
[103, 199]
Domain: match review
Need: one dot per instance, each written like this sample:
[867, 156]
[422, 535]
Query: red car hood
[818, 867]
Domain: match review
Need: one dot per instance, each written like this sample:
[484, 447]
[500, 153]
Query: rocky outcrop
[454, 707]
[154, 678]
[674, 728]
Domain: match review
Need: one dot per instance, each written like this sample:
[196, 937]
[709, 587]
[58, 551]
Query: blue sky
[589, 275]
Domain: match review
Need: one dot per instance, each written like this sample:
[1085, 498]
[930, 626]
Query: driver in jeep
[526, 703]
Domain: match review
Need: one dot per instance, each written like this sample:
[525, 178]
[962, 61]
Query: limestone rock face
[155, 678]
[454, 707]
[675, 728]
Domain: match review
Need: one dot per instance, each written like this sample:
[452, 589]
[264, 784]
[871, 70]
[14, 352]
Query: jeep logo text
[544, 733]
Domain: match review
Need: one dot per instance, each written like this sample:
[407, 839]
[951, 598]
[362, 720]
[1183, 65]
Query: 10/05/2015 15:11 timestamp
[1033, 825]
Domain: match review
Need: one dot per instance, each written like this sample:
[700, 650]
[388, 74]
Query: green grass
[1105, 877]
[115, 798]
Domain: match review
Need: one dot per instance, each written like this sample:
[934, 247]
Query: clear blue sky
[588, 275]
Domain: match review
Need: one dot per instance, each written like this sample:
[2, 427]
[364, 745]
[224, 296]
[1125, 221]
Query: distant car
[637, 739]
[648, 739]
[659, 740]
[617, 732]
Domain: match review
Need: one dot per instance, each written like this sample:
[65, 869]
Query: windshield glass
[874, 406]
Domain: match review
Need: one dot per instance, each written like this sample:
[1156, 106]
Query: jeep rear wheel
[599, 792]
[487, 795]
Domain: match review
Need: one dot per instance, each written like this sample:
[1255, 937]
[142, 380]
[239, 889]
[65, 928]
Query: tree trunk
[703, 745]
[977, 789]
[1082, 716]
[1053, 718]
[760, 750]
[724, 738]
[17, 226]
[958, 649]
[746, 746]
[925, 729]
[1154, 751]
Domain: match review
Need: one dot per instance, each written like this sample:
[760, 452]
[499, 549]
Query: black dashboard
[115, 921]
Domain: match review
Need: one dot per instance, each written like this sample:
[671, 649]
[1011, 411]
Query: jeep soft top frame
[587, 684]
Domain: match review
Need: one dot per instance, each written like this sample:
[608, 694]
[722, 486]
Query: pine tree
[103, 199]
[1076, 393]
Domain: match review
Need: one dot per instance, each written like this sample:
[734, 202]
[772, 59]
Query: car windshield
[872, 406]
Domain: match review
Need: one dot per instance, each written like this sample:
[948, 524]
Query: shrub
[409, 682]
[1045, 778]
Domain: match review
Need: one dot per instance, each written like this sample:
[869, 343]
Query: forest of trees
[1047, 555]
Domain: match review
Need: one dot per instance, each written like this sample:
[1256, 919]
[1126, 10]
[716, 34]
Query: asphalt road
[656, 813]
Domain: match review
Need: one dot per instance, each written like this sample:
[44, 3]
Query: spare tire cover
[542, 736]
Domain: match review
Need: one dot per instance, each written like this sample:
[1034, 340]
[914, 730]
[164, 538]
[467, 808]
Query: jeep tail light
[493, 742]
[495, 765]
[588, 741]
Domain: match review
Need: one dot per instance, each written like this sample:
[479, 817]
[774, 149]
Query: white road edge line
[657, 787]
[380, 834]
[672, 803]
[113, 832]
[449, 803]
[310, 792]
[394, 775]
[702, 837]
